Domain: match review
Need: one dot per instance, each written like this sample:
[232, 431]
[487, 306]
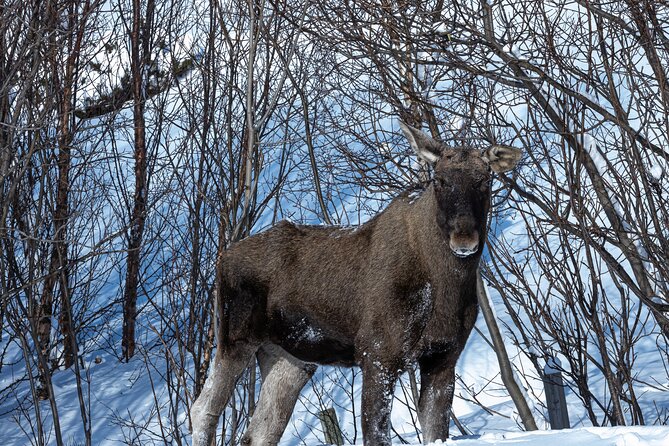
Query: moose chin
[398, 290]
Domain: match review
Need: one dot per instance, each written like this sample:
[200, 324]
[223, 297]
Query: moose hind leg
[218, 388]
[284, 376]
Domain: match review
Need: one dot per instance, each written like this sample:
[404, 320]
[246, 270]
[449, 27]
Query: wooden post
[331, 427]
[555, 397]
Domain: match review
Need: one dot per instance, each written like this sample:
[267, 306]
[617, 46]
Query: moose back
[399, 289]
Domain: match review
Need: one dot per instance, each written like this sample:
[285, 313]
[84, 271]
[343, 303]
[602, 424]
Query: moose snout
[464, 246]
[464, 240]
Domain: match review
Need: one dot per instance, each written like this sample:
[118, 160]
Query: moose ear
[502, 158]
[425, 146]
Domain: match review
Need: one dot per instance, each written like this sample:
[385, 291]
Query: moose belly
[310, 341]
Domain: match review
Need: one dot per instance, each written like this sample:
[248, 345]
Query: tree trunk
[139, 35]
[503, 358]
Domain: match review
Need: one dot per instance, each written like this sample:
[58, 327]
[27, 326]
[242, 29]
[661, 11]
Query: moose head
[462, 178]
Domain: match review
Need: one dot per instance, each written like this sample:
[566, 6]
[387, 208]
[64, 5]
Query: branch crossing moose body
[399, 289]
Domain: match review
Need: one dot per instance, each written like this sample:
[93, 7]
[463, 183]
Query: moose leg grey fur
[228, 364]
[283, 377]
[378, 385]
[436, 399]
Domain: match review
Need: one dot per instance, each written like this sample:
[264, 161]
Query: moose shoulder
[397, 290]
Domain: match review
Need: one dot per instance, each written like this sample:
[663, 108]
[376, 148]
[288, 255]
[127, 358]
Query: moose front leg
[378, 385]
[437, 385]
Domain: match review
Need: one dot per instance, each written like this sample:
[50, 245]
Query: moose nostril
[464, 252]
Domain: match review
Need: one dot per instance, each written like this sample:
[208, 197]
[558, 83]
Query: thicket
[138, 139]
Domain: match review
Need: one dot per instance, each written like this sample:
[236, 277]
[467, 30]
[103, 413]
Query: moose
[395, 291]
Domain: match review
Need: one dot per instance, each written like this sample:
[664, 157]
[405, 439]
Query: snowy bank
[587, 436]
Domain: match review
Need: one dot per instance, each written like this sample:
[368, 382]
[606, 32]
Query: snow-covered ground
[587, 436]
[124, 399]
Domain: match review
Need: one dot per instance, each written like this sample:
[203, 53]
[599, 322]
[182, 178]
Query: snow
[589, 436]
[656, 172]
[415, 195]
[553, 365]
